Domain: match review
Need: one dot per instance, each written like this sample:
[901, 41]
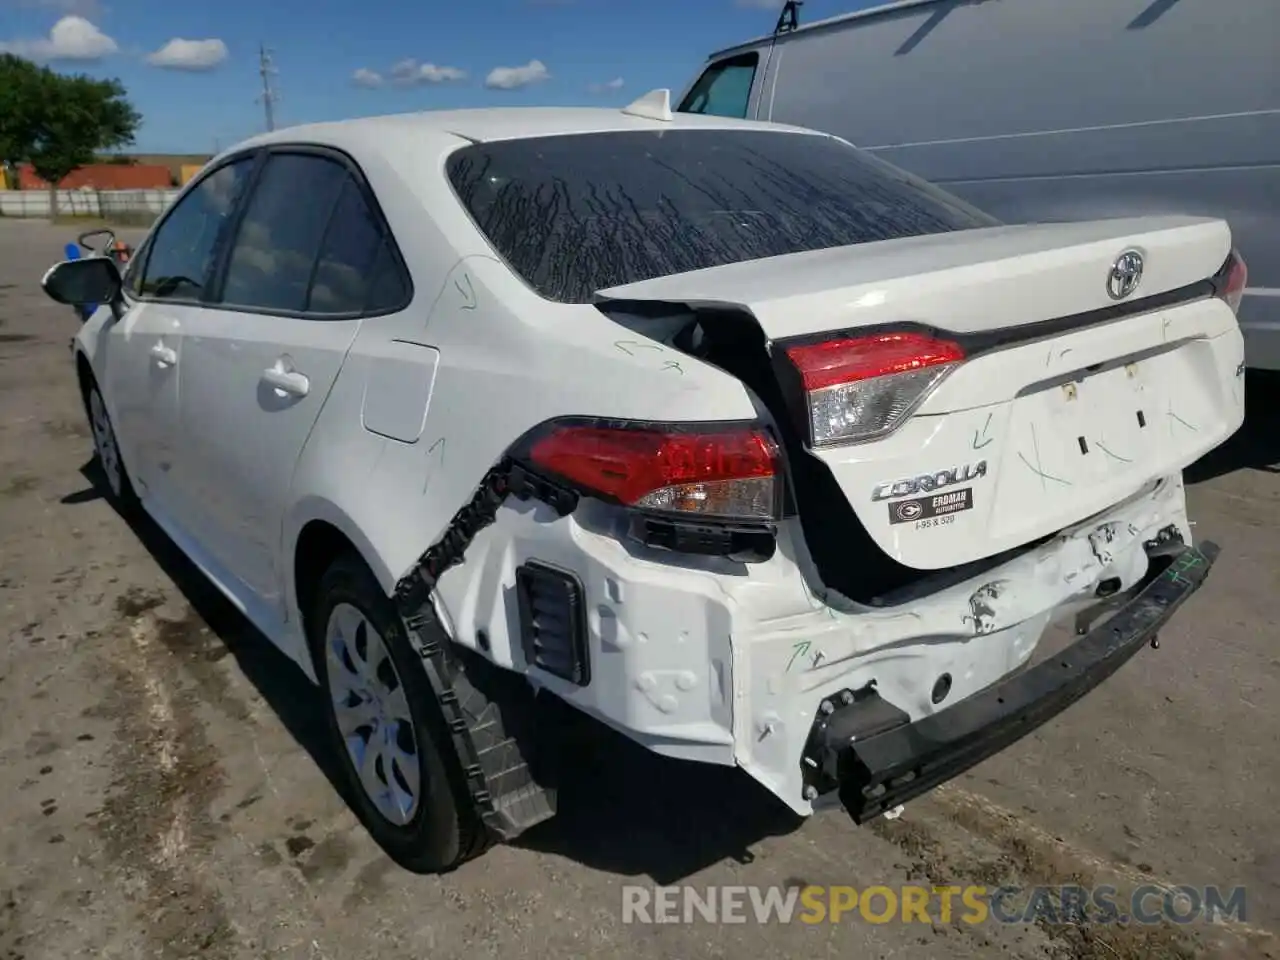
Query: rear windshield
[576, 214]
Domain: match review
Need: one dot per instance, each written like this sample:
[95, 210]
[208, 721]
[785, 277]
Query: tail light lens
[859, 388]
[1235, 277]
[727, 474]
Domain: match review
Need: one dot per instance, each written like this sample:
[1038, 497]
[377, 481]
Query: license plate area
[1100, 425]
[1077, 444]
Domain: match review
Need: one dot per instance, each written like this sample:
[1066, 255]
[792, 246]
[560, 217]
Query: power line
[268, 97]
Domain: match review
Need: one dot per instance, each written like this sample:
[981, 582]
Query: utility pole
[268, 96]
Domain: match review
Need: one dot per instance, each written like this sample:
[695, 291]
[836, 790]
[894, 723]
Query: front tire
[403, 777]
[107, 450]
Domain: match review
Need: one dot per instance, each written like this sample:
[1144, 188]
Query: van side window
[724, 89]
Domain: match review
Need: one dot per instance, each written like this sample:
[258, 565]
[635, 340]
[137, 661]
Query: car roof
[388, 134]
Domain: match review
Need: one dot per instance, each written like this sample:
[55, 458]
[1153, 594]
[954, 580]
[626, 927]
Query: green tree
[77, 117]
[21, 87]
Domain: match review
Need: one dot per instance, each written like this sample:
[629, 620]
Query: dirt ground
[169, 797]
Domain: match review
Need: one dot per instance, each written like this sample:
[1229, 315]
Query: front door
[140, 354]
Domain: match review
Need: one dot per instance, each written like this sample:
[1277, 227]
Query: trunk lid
[1068, 400]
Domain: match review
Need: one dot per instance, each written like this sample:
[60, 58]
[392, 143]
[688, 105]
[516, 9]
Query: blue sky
[191, 68]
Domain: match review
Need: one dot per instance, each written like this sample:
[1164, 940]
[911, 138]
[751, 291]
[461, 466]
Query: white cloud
[510, 78]
[411, 73]
[180, 54]
[72, 38]
[617, 83]
[364, 77]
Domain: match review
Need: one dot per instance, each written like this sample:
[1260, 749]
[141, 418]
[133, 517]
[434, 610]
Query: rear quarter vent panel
[553, 621]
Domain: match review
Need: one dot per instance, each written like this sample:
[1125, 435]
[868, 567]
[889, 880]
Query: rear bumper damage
[871, 752]
[746, 665]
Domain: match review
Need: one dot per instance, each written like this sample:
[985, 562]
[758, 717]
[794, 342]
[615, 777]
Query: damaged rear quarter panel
[508, 361]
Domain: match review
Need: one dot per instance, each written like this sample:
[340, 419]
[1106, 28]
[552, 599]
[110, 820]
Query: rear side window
[576, 214]
[186, 245]
[356, 271]
[724, 89]
[280, 236]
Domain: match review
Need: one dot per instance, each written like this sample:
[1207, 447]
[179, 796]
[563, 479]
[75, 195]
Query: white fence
[123, 205]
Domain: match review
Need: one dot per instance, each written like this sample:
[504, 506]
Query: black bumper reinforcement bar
[879, 760]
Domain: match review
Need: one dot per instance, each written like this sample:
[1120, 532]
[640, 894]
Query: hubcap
[372, 711]
[104, 441]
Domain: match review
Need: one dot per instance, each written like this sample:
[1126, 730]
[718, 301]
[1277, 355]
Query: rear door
[310, 260]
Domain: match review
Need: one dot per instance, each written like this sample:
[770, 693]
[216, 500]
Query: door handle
[287, 381]
[165, 356]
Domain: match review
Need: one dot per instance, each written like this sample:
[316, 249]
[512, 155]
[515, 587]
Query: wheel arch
[321, 532]
[85, 377]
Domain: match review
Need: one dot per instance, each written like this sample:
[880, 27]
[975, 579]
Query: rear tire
[403, 777]
[106, 449]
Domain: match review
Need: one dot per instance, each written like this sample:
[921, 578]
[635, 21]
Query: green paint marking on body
[797, 650]
[981, 441]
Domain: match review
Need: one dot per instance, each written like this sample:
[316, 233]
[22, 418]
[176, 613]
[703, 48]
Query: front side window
[724, 89]
[280, 235]
[580, 213]
[185, 247]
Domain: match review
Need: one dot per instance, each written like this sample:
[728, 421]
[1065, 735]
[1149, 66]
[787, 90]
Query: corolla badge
[1125, 275]
[928, 482]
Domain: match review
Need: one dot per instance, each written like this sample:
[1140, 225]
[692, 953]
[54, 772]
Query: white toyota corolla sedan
[736, 439]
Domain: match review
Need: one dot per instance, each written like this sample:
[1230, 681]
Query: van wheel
[402, 773]
[107, 450]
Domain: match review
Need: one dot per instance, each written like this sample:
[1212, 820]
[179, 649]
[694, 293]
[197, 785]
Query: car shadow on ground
[294, 699]
[621, 808]
[1256, 445]
[628, 811]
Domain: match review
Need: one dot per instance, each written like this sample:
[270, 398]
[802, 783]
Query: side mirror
[79, 283]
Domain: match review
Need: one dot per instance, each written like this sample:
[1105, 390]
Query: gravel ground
[169, 795]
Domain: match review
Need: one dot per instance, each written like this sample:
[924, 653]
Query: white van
[1038, 110]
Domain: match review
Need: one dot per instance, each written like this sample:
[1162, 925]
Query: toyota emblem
[1126, 274]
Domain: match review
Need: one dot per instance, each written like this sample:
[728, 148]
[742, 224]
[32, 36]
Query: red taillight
[730, 473]
[858, 388]
[834, 362]
[1235, 276]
